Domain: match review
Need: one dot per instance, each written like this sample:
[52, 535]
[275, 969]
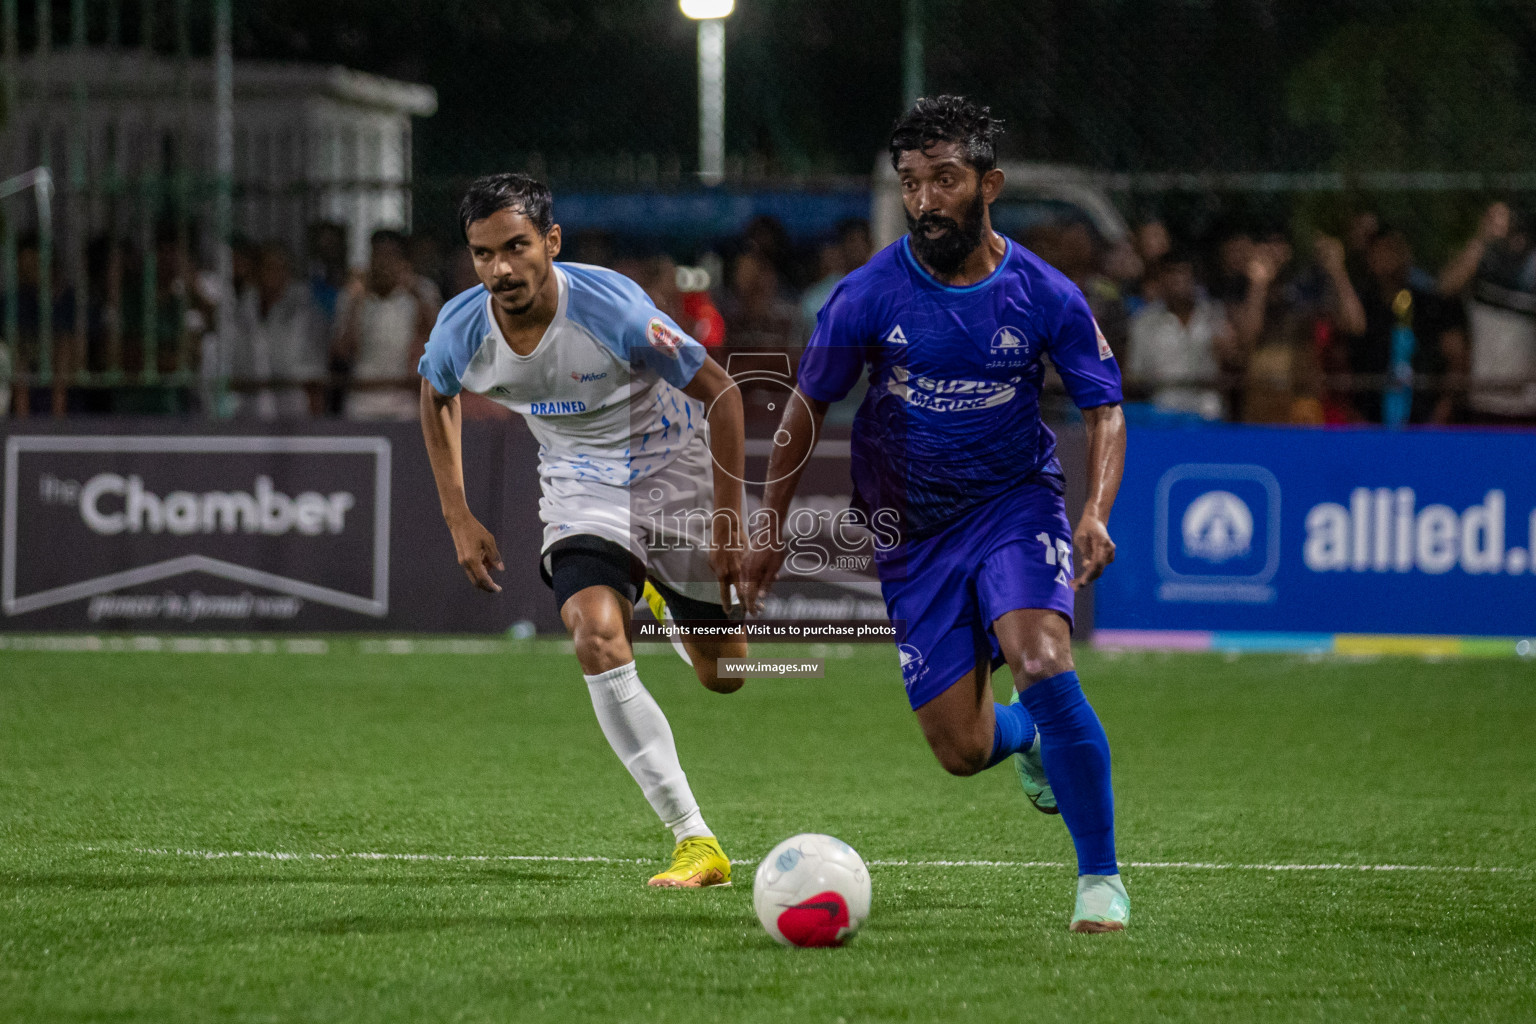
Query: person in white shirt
[280, 339]
[1179, 342]
[384, 326]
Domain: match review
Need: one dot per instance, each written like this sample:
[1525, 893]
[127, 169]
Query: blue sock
[1076, 757]
[1013, 733]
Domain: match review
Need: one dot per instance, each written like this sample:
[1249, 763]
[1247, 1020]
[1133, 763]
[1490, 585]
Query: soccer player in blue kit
[952, 323]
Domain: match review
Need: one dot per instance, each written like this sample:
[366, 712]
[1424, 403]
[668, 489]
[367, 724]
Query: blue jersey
[952, 416]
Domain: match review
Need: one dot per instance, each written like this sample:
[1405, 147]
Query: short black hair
[528, 196]
[934, 119]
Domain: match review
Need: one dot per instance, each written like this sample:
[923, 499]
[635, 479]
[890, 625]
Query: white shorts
[663, 520]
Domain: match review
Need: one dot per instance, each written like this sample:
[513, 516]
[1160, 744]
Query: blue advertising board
[1306, 531]
[708, 213]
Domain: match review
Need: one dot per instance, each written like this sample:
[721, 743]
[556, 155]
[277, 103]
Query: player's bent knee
[716, 684]
[708, 671]
[600, 644]
[706, 666]
[1036, 645]
[600, 650]
[1046, 656]
[1028, 671]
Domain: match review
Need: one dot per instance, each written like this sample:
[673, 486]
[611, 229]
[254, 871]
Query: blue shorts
[944, 592]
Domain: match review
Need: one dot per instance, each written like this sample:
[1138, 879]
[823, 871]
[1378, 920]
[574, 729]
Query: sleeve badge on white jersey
[663, 338]
[1104, 350]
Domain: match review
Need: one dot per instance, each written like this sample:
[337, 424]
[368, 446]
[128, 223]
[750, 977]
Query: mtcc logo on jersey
[1218, 527]
[911, 662]
[1009, 342]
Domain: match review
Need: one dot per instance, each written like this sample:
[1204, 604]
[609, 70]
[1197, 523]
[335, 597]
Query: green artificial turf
[1252, 761]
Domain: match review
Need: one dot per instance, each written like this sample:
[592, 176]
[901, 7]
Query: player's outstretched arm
[1106, 465]
[799, 428]
[727, 448]
[441, 427]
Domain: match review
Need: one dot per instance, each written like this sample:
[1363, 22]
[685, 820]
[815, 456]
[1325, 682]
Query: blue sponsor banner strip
[1318, 643]
[1237, 531]
[1349, 644]
[708, 213]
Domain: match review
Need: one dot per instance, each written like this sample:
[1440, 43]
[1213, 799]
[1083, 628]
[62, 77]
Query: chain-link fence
[1242, 130]
[1323, 174]
[152, 229]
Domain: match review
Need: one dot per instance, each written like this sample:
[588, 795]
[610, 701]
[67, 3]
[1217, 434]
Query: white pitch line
[1444, 868]
[484, 858]
[432, 857]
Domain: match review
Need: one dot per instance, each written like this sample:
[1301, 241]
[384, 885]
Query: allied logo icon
[1216, 533]
[1217, 527]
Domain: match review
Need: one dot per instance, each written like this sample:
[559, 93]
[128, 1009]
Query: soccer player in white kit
[641, 457]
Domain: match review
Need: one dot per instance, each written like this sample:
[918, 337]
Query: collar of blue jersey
[906, 251]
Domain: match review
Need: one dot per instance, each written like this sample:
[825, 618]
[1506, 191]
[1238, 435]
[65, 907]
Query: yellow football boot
[696, 863]
[655, 601]
[663, 614]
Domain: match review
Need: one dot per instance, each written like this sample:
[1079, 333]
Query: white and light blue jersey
[600, 391]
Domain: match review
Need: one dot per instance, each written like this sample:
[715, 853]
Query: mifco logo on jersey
[109, 526]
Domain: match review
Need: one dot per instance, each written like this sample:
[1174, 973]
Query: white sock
[638, 732]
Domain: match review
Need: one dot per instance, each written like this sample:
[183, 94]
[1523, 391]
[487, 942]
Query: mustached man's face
[946, 203]
[512, 259]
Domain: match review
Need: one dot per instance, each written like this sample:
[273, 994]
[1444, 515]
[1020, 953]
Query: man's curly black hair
[935, 119]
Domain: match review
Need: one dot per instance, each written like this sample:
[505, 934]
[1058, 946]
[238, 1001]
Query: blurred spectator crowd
[1242, 327]
[1352, 330]
[307, 338]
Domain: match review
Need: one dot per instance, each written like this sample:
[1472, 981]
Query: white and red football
[811, 890]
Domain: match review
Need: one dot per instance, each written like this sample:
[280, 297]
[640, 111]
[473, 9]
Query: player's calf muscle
[961, 755]
[958, 727]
